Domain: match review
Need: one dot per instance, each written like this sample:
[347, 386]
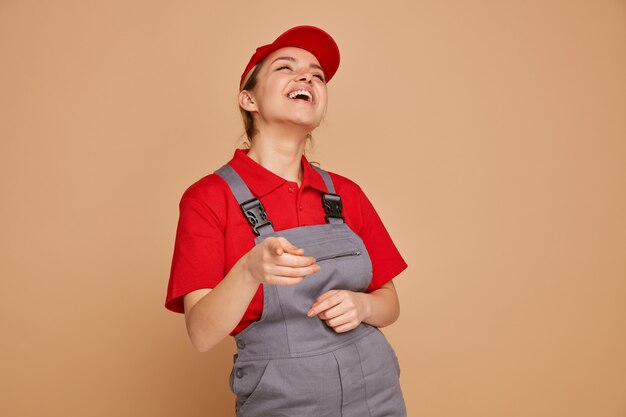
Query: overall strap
[330, 200]
[252, 207]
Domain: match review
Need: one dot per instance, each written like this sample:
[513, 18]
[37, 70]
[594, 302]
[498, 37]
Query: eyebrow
[292, 59]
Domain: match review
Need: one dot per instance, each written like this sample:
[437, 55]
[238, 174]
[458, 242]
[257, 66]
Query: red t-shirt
[213, 233]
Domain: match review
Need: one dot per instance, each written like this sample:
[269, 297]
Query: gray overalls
[288, 364]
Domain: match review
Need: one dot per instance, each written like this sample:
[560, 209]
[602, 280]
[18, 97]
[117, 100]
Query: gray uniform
[288, 364]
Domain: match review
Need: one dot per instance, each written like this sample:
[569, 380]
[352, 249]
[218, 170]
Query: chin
[306, 123]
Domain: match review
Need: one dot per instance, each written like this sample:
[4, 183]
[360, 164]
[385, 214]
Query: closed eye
[319, 76]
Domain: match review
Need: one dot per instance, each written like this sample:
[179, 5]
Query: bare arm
[344, 310]
[211, 314]
[384, 307]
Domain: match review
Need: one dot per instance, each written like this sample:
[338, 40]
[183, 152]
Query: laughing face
[290, 90]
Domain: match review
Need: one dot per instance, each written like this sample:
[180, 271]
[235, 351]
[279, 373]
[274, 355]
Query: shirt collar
[262, 181]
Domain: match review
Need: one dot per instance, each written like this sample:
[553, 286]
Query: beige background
[490, 135]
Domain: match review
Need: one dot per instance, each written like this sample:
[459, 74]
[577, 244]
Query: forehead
[298, 53]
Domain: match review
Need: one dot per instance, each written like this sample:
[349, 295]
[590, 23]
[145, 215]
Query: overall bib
[288, 364]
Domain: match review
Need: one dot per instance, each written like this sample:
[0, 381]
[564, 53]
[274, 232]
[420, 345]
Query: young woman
[289, 259]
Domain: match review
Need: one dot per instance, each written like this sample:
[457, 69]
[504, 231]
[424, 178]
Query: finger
[293, 272]
[329, 302]
[340, 320]
[289, 247]
[288, 259]
[334, 312]
[275, 247]
[345, 327]
[325, 296]
[284, 281]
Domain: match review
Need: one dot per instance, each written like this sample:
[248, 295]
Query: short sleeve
[198, 260]
[387, 262]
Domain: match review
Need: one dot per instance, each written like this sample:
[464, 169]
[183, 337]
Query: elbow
[201, 347]
[392, 309]
[395, 306]
[199, 339]
[203, 337]
[390, 319]
[201, 344]
[393, 313]
[395, 317]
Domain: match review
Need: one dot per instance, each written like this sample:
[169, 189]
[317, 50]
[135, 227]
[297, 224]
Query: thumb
[274, 246]
[289, 248]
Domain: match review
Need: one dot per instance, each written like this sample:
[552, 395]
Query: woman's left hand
[342, 310]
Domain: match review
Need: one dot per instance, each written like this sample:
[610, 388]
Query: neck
[279, 151]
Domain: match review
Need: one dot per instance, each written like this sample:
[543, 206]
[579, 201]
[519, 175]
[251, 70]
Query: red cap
[313, 39]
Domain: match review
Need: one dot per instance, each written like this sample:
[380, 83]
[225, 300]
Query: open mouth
[300, 95]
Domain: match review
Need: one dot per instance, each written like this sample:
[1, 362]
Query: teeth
[295, 93]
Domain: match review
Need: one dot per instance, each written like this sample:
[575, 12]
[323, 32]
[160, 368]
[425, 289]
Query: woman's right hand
[276, 261]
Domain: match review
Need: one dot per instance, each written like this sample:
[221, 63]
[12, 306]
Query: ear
[246, 101]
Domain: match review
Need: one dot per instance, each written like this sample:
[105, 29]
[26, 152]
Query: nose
[305, 75]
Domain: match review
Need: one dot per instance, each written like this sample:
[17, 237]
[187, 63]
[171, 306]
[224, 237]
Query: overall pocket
[346, 254]
[247, 381]
[292, 387]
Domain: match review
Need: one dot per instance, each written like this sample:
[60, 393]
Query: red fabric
[310, 38]
[213, 234]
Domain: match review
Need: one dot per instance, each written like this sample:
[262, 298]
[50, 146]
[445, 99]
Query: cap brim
[310, 38]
